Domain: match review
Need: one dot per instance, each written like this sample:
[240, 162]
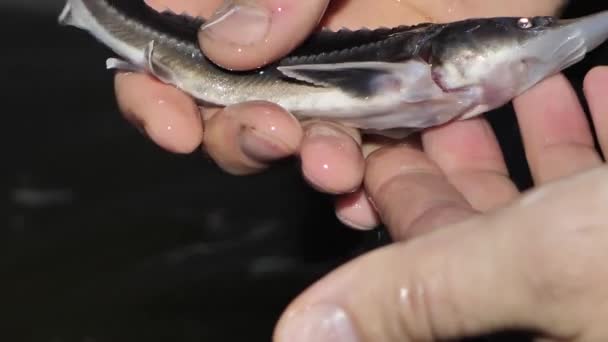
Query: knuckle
[428, 314]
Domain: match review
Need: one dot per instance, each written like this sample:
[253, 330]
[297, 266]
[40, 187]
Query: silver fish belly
[387, 81]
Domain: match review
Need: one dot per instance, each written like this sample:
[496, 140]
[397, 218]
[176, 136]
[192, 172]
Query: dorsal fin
[181, 26]
[364, 45]
[344, 38]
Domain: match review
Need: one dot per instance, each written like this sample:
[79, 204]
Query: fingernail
[260, 147]
[240, 24]
[319, 324]
[353, 218]
[356, 211]
[364, 226]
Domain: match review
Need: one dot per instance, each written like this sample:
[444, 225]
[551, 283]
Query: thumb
[246, 34]
[522, 267]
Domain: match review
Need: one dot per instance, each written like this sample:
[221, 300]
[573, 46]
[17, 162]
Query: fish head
[506, 56]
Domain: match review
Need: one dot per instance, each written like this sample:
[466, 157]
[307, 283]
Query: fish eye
[525, 23]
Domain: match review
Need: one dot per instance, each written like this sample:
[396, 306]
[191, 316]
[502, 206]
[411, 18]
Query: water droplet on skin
[325, 167]
[451, 8]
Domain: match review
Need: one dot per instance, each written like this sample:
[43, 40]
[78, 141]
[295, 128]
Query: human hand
[536, 263]
[245, 138]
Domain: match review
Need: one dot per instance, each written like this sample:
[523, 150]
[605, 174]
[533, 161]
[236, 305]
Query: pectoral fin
[119, 64]
[364, 79]
[157, 69]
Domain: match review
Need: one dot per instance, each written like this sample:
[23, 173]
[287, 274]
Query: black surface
[106, 237]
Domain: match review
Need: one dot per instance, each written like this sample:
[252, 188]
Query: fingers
[356, 209]
[331, 158]
[411, 193]
[596, 92]
[169, 117]
[244, 138]
[469, 155]
[522, 266]
[555, 132]
[332, 163]
[245, 34]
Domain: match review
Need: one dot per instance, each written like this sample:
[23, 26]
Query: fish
[386, 81]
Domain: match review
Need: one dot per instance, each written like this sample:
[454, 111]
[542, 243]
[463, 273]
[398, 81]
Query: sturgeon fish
[389, 81]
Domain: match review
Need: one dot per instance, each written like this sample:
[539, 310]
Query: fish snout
[591, 29]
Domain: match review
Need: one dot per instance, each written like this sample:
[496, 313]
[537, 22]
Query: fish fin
[119, 64]
[156, 69]
[67, 17]
[363, 79]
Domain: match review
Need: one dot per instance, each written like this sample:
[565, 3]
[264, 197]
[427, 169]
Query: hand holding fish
[485, 258]
[244, 138]
[474, 257]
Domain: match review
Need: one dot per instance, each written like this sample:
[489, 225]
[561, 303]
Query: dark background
[105, 237]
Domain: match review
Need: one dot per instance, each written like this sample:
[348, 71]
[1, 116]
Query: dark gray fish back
[364, 45]
[181, 26]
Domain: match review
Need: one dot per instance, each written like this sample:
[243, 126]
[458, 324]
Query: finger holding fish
[245, 138]
[246, 34]
[331, 157]
[241, 139]
[166, 115]
[360, 84]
